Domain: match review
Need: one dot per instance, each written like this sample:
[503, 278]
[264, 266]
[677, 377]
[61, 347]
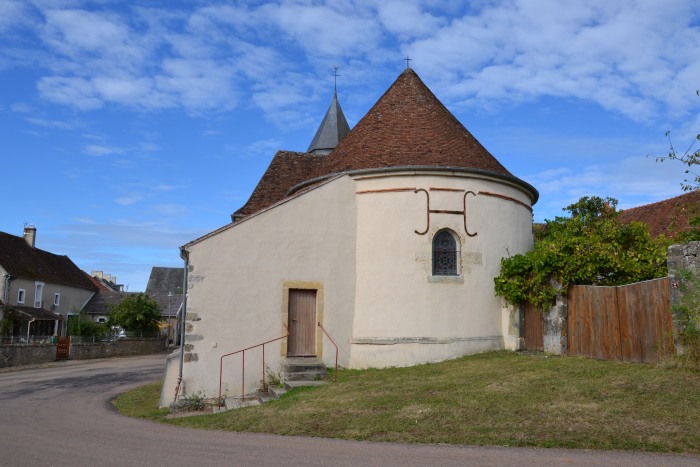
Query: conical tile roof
[409, 126]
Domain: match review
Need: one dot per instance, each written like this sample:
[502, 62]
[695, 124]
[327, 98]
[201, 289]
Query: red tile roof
[408, 127]
[287, 169]
[669, 217]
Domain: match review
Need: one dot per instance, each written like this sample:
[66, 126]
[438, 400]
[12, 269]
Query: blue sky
[130, 128]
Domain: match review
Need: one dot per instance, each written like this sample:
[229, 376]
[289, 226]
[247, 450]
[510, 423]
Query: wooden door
[63, 348]
[534, 328]
[302, 323]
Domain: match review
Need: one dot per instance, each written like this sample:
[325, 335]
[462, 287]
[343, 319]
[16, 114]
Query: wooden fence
[631, 323]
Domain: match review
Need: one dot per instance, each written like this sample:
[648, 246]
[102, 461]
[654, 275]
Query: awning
[39, 314]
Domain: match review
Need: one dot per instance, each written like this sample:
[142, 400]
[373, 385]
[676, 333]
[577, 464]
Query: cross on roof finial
[335, 77]
[408, 59]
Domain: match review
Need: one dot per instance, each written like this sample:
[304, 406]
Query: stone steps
[295, 373]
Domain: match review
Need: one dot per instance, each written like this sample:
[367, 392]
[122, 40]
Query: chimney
[30, 235]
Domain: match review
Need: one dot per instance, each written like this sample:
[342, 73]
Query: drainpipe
[29, 326]
[6, 289]
[183, 315]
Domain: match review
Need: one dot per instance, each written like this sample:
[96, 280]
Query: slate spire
[333, 129]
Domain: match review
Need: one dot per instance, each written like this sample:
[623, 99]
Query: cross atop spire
[335, 77]
[408, 59]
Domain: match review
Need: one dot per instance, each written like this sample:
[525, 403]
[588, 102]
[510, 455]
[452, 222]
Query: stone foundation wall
[555, 327]
[17, 355]
[679, 258]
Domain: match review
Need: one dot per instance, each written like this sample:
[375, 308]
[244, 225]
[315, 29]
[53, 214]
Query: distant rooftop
[668, 217]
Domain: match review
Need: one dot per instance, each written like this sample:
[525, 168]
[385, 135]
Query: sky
[129, 128]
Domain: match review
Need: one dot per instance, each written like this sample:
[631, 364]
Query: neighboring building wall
[404, 315]
[238, 278]
[72, 299]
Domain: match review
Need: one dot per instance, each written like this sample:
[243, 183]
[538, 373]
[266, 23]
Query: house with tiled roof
[670, 217]
[388, 243]
[38, 289]
[165, 288]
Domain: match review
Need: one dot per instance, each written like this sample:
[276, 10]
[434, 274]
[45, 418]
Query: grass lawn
[496, 398]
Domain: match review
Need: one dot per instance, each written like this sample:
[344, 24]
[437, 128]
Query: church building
[385, 238]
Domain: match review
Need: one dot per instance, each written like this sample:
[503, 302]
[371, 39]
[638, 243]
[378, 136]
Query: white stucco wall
[404, 315]
[237, 278]
[354, 240]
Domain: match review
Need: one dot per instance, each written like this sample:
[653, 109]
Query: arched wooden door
[302, 323]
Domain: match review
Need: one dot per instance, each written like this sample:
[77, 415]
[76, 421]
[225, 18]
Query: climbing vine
[590, 247]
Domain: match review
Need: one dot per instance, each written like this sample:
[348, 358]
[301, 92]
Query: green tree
[591, 247]
[135, 313]
[83, 325]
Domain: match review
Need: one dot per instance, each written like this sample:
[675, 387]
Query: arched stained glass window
[444, 254]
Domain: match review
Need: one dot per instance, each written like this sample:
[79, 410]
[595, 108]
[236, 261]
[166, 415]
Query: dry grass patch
[498, 398]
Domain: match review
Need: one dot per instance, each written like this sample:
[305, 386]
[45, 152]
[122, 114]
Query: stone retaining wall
[17, 355]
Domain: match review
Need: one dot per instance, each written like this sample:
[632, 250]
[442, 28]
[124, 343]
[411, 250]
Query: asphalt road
[61, 415]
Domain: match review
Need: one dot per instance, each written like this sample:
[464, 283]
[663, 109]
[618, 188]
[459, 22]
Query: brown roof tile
[287, 169]
[407, 127]
[669, 217]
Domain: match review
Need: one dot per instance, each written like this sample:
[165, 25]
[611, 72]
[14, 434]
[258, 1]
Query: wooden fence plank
[630, 323]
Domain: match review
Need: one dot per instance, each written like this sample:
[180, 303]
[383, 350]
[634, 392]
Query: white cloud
[406, 19]
[207, 58]
[12, 13]
[99, 150]
[612, 53]
[149, 147]
[57, 124]
[632, 181]
[264, 147]
[74, 92]
[21, 107]
[170, 209]
[129, 199]
[325, 30]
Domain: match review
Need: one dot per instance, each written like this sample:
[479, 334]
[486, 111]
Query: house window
[444, 254]
[56, 299]
[20, 296]
[38, 292]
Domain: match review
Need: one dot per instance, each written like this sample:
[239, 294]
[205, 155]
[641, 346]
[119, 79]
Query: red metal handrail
[335, 373]
[221, 365]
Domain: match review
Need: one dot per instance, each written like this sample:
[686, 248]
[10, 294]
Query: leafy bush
[589, 248]
[194, 401]
[82, 325]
